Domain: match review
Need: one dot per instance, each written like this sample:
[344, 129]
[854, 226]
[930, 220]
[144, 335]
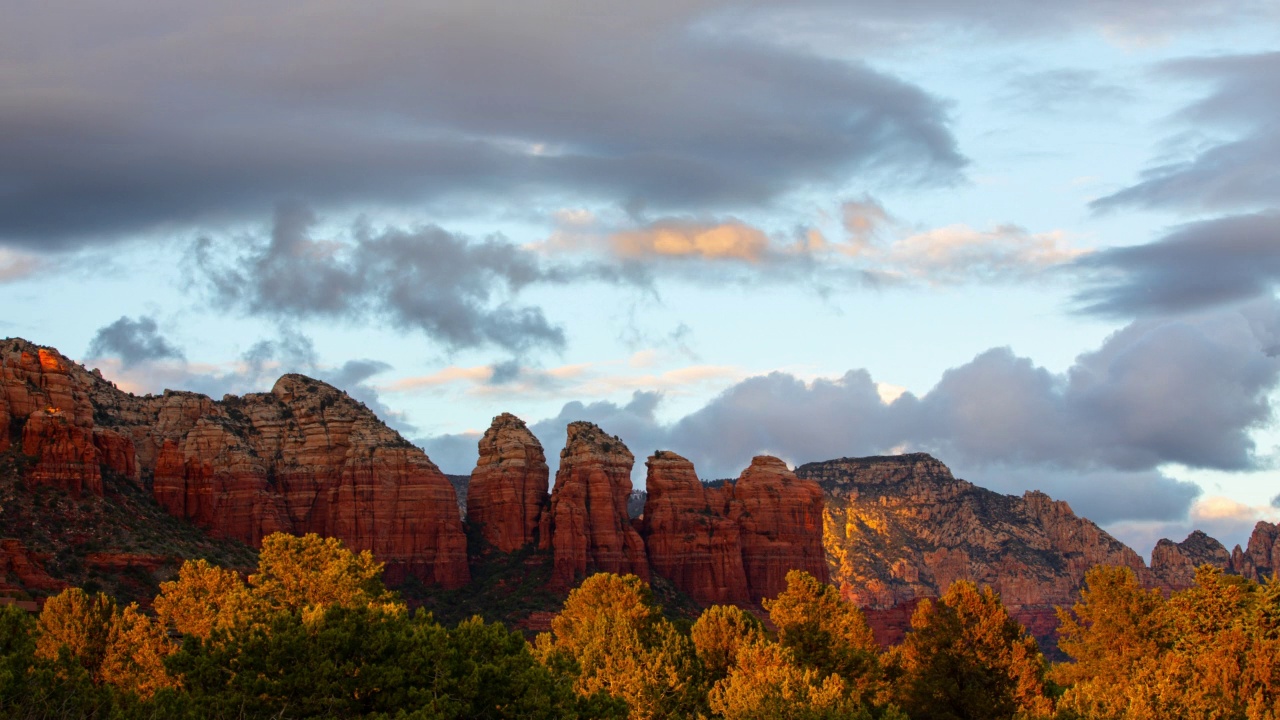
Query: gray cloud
[1196, 266]
[1275, 501]
[133, 341]
[193, 117]
[1238, 173]
[427, 280]
[1185, 391]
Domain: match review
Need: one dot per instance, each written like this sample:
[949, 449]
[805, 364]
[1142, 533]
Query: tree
[1117, 634]
[826, 633]
[767, 683]
[612, 639]
[78, 624]
[720, 633]
[296, 572]
[205, 598]
[966, 659]
[134, 658]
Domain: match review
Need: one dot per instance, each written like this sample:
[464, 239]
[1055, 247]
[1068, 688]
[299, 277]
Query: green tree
[966, 659]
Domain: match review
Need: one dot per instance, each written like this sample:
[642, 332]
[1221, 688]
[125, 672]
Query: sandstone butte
[697, 548]
[508, 490]
[302, 458]
[586, 526]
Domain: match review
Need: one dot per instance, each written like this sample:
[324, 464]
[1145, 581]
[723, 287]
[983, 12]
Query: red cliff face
[695, 547]
[46, 412]
[586, 524]
[508, 490]
[303, 458]
[307, 458]
[779, 519]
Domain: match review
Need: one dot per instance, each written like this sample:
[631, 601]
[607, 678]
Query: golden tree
[79, 624]
[720, 633]
[135, 653]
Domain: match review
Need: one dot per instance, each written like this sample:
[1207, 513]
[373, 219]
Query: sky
[1040, 241]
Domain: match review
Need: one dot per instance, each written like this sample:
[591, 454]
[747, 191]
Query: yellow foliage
[77, 623]
[135, 654]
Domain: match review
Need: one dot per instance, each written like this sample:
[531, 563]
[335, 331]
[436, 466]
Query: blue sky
[1037, 240]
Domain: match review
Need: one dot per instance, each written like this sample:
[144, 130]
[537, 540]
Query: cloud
[731, 240]
[16, 266]
[195, 119]
[959, 254]
[1238, 172]
[1196, 266]
[876, 249]
[1186, 390]
[1061, 90]
[456, 291]
[133, 341]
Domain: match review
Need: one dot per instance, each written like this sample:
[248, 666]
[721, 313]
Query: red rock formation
[303, 458]
[1262, 557]
[508, 490]
[1173, 565]
[779, 519]
[586, 524]
[691, 545]
[307, 458]
[902, 527]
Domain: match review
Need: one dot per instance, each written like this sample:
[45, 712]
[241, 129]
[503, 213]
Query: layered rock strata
[508, 490]
[902, 527]
[302, 458]
[586, 524]
[696, 547]
[780, 520]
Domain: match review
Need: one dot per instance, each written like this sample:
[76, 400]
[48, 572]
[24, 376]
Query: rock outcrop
[1174, 564]
[696, 547]
[780, 520]
[508, 490]
[902, 527]
[1261, 558]
[586, 524]
[303, 458]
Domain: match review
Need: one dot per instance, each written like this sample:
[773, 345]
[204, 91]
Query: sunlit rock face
[48, 415]
[586, 525]
[302, 458]
[508, 489]
[1173, 565]
[694, 546]
[902, 527]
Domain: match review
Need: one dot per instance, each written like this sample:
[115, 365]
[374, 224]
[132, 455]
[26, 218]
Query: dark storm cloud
[1196, 266]
[1185, 391]
[427, 280]
[1242, 172]
[194, 115]
[133, 341]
